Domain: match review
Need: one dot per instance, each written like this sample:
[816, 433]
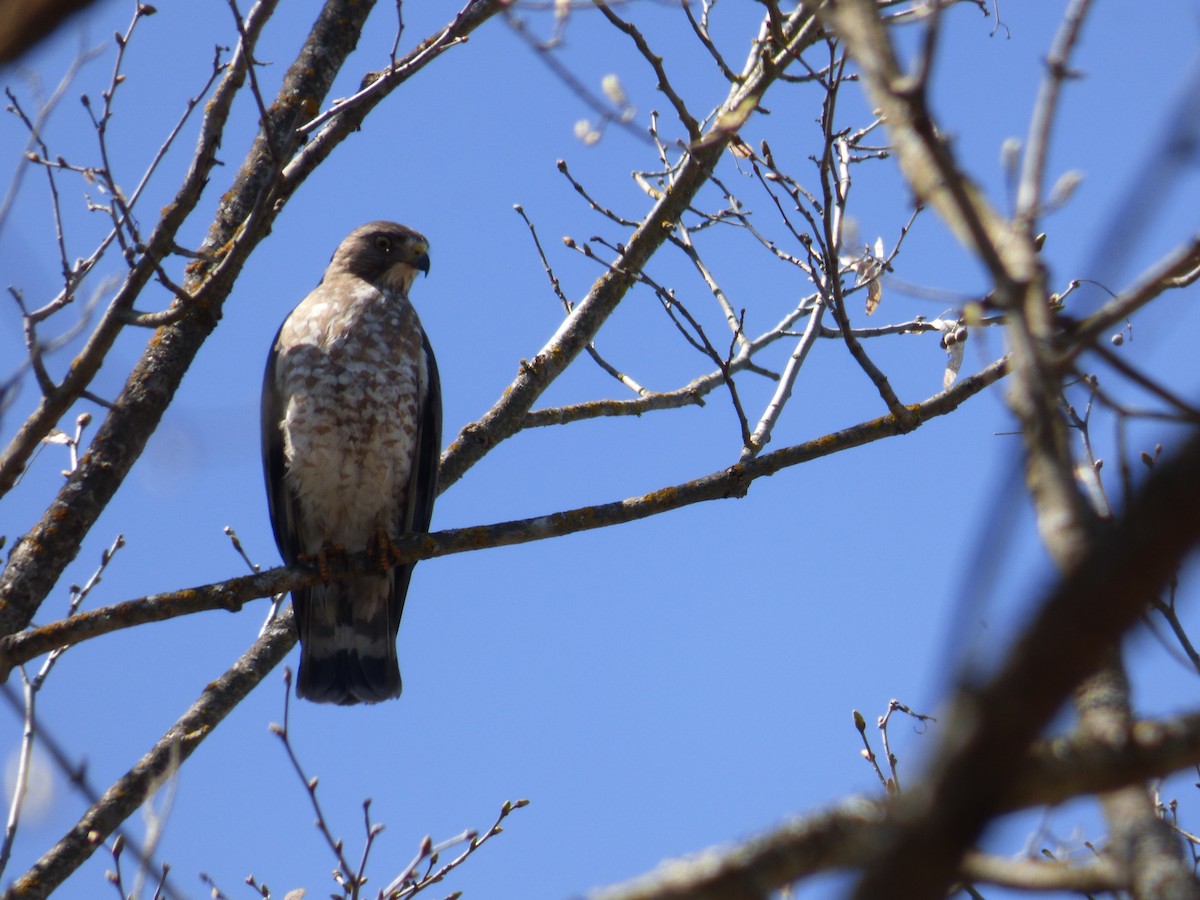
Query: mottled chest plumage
[350, 375]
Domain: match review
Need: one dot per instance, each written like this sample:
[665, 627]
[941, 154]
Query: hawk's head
[385, 254]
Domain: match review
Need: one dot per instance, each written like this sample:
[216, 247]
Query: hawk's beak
[422, 263]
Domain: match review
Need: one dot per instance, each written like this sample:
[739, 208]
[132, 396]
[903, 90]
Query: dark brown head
[385, 254]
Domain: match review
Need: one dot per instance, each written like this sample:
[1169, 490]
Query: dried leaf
[874, 295]
[57, 437]
[953, 363]
[954, 340]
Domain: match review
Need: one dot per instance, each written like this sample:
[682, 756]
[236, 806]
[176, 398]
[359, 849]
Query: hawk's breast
[351, 378]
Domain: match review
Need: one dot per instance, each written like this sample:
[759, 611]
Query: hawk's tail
[347, 643]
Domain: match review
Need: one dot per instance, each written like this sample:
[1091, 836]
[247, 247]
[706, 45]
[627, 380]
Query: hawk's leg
[322, 557]
[381, 550]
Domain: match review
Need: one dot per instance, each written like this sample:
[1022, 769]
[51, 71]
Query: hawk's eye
[383, 243]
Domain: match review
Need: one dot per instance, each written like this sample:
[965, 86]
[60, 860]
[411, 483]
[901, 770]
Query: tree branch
[231, 594]
[160, 763]
[852, 833]
[243, 219]
[942, 817]
[506, 417]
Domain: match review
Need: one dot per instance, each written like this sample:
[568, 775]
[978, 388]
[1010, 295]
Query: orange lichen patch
[475, 538]
[662, 497]
[831, 442]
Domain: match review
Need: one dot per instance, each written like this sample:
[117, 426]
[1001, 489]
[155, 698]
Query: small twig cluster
[891, 781]
[426, 868]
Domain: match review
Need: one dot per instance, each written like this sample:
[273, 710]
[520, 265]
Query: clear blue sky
[652, 689]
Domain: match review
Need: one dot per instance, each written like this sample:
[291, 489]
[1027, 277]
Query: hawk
[351, 432]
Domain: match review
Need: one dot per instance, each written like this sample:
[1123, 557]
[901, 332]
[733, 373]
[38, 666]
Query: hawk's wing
[423, 478]
[281, 501]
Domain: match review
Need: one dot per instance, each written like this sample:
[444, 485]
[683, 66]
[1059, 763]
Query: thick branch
[243, 219]
[162, 763]
[233, 593]
[853, 832]
[990, 726]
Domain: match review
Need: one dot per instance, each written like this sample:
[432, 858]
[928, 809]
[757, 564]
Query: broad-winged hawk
[352, 421]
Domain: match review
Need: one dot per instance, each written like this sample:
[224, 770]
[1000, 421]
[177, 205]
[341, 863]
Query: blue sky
[655, 688]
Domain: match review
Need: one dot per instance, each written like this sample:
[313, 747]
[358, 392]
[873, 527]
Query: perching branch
[243, 221]
[233, 593]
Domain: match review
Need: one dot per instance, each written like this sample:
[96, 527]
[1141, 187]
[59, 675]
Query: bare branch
[233, 593]
[1033, 172]
[131, 790]
[505, 418]
[88, 361]
[656, 62]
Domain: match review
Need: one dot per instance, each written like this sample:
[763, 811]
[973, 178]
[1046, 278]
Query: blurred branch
[181, 739]
[852, 834]
[23, 23]
[1033, 172]
[233, 593]
[1139, 840]
[944, 815]
[843, 837]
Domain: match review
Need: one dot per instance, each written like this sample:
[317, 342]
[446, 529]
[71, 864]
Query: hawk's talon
[321, 558]
[381, 550]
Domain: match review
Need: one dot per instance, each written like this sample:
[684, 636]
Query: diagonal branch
[131, 790]
[944, 815]
[764, 64]
[243, 220]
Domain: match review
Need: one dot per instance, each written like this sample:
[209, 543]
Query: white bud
[611, 85]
